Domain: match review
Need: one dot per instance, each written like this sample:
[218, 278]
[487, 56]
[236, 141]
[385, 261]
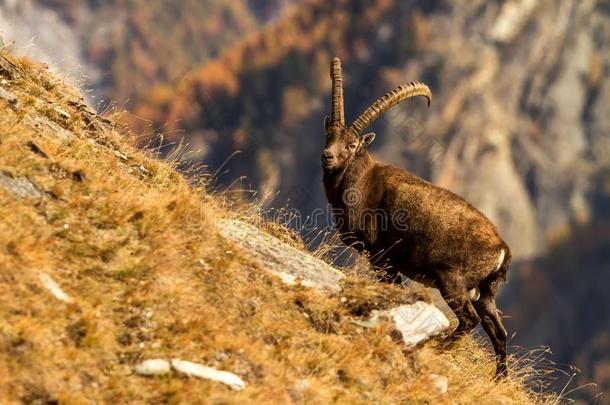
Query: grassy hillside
[140, 255]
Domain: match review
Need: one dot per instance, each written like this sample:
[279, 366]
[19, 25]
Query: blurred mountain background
[519, 124]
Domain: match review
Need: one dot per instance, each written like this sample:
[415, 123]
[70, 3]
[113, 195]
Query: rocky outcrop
[415, 322]
[288, 263]
[19, 187]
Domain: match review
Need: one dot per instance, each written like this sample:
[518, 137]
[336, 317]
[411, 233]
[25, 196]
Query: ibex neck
[336, 182]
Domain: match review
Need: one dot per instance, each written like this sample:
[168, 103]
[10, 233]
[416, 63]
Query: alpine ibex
[424, 232]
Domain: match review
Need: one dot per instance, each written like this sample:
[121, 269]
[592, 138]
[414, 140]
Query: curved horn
[389, 100]
[338, 112]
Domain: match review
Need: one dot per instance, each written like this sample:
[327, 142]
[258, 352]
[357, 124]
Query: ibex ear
[367, 139]
[326, 123]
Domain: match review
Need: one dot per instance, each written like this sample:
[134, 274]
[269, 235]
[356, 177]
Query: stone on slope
[19, 187]
[275, 256]
[153, 367]
[45, 126]
[416, 322]
[208, 373]
[8, 97]
[440, 382]
[54, 288]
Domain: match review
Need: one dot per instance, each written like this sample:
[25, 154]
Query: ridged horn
[389, 100]
[336, 77]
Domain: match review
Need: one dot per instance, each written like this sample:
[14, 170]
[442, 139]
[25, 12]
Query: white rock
[54, 288]
[120, 155]
[289, 279]
[302, 385]
[418, 322]
[197, 370]
[62, 113]
[440, 382]
[153, 367]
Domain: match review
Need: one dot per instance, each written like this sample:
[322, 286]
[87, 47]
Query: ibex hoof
[501, 371]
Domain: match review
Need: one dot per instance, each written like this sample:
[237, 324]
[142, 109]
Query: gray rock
[290, 264]
[416, 322]
[9, 97]
[19, 187]
[47, 127]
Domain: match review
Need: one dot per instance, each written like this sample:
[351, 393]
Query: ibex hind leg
[492, 323]
[453, 289]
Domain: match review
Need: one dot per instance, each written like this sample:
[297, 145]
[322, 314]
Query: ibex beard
[440, 240]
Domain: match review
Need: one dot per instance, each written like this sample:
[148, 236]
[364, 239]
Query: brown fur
[420, 230]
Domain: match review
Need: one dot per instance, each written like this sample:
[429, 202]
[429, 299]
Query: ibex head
[343, 143]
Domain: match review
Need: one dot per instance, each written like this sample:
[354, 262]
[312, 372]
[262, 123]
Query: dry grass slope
[138, 251]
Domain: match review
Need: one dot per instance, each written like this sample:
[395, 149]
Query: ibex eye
[352, 146]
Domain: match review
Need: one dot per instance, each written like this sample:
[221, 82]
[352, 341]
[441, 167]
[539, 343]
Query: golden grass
[137, 249]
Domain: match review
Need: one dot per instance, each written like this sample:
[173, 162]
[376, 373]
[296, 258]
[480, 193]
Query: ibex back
[422, 231]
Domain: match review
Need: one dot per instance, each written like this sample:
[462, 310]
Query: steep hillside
[109, 258]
